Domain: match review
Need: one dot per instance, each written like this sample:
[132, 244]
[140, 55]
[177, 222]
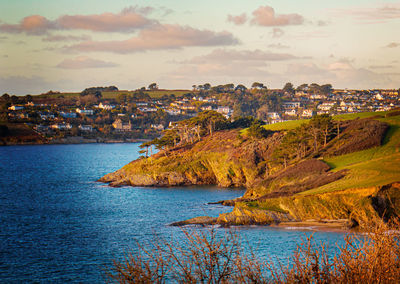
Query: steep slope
[353, 177]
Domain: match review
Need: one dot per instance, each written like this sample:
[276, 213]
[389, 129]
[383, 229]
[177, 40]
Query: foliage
[206, 257]
[299, 142]
[98, 90]
[191, 130]
[257, 130]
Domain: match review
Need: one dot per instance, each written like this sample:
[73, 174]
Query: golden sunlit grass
[372, 167]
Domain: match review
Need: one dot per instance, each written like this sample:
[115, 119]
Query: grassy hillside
[372, 167]
[322, 184]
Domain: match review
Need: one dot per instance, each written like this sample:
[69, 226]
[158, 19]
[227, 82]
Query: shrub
[373, 257]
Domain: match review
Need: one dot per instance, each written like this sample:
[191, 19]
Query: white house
[291, 105]
[158, 127]
[273, 115]
[88, 128]
[68, 114]
[106, 106]
[307, 113]
[291, 112]
[84, 111]
[61, 126]
[13, 107]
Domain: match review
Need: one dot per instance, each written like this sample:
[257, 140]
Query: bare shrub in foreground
[373, 257]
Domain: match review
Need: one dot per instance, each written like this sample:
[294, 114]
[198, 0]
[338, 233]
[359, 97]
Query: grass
[372, 167]
[286, 125]
[65, 95]
[351, 116]
[292, 124]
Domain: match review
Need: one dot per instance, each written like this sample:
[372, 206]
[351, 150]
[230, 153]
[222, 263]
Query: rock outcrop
[274, 194]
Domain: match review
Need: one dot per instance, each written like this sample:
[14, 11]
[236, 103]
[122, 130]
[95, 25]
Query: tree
[288, 88]
[14, 99]
[321, 128]
[257, 85]
[241, 88]
[302, 87]
[153, 86]
[207, 86]
[326, 89]
[257, 130]
[5, 97]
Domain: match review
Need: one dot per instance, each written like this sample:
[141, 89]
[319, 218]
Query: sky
[69, 45]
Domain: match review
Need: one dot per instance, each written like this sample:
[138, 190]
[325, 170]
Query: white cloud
[265, 16]
[84, 62]
[161, 37]
[238, 20]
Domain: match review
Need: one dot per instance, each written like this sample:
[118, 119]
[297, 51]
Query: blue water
[58, 225]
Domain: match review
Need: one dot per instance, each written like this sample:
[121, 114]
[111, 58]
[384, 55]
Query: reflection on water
[58, 224]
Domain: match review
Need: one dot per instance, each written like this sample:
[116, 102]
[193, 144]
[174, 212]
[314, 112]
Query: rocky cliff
[302, 190]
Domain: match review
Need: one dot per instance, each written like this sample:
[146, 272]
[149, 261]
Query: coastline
[74, 140]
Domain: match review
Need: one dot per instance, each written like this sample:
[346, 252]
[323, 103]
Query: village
[106, 113]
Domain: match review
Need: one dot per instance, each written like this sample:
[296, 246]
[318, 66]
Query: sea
[58, 225]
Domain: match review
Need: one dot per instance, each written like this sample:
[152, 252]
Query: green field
[65, 95]
[372, 167]
[286, 125]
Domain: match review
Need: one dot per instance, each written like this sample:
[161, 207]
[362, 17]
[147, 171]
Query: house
[206, 108]
[326, 106]
[291, 105]
[84, 111]
[273, 115]
[158, 127]
[291, 112]
[119, 125]
[61, 126]
[173, 111]
[307, 113]
[30, 104]
[147, 109]
[106, 106]
[68, 114]
[87, 128]
[226, 111]
[14, 107]
[46, 116]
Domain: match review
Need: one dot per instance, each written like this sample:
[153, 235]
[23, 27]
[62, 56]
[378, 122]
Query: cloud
[381, 66]
[83, 62]
[128, 20]
[161, 37]
[244, 56]
[277, 32]
[378, 14]
[34, 25]
[278, 46]
[321, 23]
[238, 20]
[265, 16]
[55, 38]
[393, 45]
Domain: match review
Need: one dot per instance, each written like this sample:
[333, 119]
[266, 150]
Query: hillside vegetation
[318, 169]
